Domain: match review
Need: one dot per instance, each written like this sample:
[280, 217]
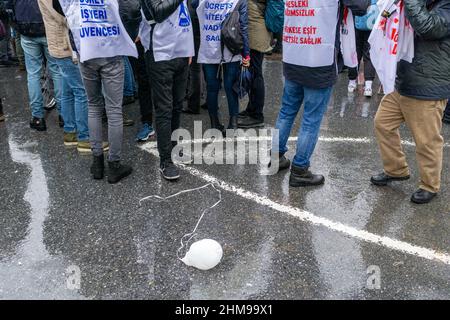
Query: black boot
[302, 177]
[215, 124]
[98, 167]
[117, 171]
[422, 196]
[233, 124]
[283, 162]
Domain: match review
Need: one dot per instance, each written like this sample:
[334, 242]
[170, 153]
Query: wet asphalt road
[54, 217]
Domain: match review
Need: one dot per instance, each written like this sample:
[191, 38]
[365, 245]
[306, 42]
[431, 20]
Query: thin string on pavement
[192, 234]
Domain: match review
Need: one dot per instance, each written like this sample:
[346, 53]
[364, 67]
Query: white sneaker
[352, 85]
[368, 92]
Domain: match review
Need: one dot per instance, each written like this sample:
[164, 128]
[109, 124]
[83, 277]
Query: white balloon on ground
[204, 254]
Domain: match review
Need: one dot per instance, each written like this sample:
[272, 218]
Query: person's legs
[291, 102]
[178, 90]
[67, 103]
[19, 50]
[212, 88]
[423, 118]
[231, 74]
[162, 75]
[353, 72]
[388, 119]
[112, 76]
[253, 115]
[195, 81]
[316, 103]
[129, 85]
[34, 54]
[54, 72]
[90, 72]
[72, 76]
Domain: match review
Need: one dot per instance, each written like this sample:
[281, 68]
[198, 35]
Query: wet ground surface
[279, 243]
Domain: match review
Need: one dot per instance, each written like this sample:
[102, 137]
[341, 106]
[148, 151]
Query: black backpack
[230, 35]
[28, 18]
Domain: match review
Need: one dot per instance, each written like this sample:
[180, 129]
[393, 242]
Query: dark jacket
[428, 76]
[130, 14]
[26, 17]
[324, 77]
[243, 21]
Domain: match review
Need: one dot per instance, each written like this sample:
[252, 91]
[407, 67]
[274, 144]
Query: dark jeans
[169, 82]
[257, 91]
[230, 75]
[363, 51]
[144, 91]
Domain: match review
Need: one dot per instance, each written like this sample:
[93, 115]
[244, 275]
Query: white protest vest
[97, 29]
[391, 40]
[173, 38]
[309, 35]
[144, 32]
[211, 14]
[348, 40]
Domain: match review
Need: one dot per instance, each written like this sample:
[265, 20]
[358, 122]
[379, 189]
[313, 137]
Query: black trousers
[257, 91]
[168, 86]
[363, 52]
[144, 87]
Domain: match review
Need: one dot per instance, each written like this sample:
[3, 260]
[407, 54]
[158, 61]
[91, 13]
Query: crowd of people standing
[103, 54]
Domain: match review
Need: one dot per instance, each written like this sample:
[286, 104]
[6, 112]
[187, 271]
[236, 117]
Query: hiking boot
[127, 122]
[382, 179]
[38, 124]
[302, 177]
[84, 147]
[118, 171]
[250, 122]
[70, 139]
[422, 196]
[283, 162]
[169, 171]
[98, 167]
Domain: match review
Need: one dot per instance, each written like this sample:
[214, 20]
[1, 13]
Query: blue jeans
[35, 49]
[230, 74]
[316, 102]
[74, 103]
[129, 87]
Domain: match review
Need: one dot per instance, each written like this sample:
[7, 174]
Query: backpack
[28, 18]
[230, 35]
[367, 21]
[274, 16]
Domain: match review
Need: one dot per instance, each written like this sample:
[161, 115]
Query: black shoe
[38, 124]
[118, 171]
[422, 196]
[283, 162]
[243, 114]
[127, 122]
[250, 122]
[190, 111]
[302, 177]
[233, 123]
[60, 122]
[382, 179]
[215, 124]
[128, 100]
[169, 171]
[98, 167]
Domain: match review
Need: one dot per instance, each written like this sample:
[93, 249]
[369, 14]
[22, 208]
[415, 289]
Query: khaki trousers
[424, 119]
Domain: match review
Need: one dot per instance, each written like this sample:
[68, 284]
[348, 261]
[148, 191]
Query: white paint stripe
[291, 139]
[306, 216]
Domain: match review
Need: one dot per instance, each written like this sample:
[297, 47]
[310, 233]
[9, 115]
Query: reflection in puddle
[32, 273]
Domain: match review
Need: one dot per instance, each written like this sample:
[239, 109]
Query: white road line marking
[306, 216]
[291, 139]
